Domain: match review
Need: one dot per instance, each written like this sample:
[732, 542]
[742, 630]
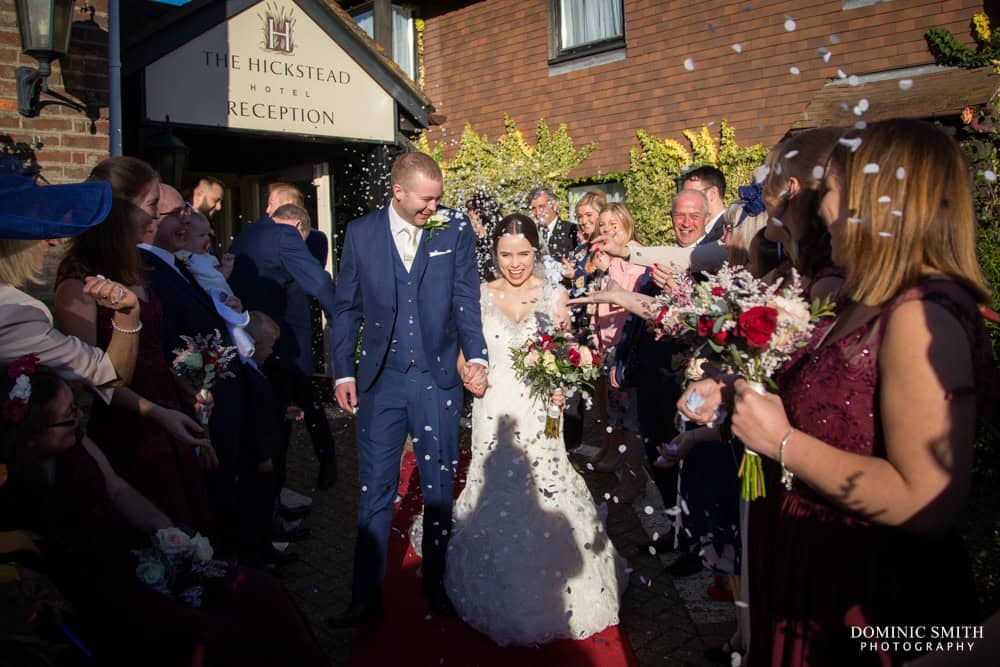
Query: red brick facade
[69, 150]
[487, 58]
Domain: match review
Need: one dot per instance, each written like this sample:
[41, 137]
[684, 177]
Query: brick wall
[70, 145]
[486, 58]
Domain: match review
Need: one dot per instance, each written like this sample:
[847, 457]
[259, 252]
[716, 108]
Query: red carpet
[411, 635]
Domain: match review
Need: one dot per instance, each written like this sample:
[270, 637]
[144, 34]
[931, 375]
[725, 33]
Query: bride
[529, 560]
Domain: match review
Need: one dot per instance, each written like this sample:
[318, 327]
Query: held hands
[558, 399]
[475, 378]
[347, 396]
[109, 294]
[759, 420]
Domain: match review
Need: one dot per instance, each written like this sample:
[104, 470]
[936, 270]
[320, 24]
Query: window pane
[402, 39]
[367, 22]
[586, 21]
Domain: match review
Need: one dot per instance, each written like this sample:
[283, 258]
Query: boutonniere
[436, 223]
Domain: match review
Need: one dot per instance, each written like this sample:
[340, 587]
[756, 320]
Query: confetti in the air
[855, 221]
[794, 71]
[885, 235]
[990, 176]
[900, 173]
[870, 168]
[789, 24]
[818, 172]
[790, 154]
[689, 64]
[835, 38]
[824, 53]
[648, 509]
[853, 143]
[884, 199]
[738, 48]
[853, 80]
[905, 84]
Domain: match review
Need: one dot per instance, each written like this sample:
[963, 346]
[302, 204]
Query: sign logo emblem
[278, 29]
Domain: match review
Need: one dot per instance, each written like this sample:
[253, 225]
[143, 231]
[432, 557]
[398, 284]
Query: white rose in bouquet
[172, 541]
[202, 547]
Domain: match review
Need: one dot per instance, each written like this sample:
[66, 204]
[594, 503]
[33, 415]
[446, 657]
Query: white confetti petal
[428, 428]
[900, 173]
[860, 125]
[853, 143]
[818, 172]
[990, 176]
[824, 53]
[776, 222]
[885, 234]
[863, 104]
[884, 199]
[364, 488]
[622, 448]
[841, 74]
[794, 71]
[427, 457]
[853, 80]
[738, 48]
[648, 509]
[905, 84]
[855, 221]
[790, 154]
[896, 212]
[870, 168]
[835, 38]
[789, 24]
[689, 64]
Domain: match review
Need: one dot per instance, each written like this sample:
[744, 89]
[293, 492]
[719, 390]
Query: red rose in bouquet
[757, 325]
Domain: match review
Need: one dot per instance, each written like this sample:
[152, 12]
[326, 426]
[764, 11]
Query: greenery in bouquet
[178, 565]
[745, 326]
[203, 361]
[554, 359]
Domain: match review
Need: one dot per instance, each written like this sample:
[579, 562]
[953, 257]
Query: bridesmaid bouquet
[750, 328]
[554, 359]
[177, 565]
[203, 361]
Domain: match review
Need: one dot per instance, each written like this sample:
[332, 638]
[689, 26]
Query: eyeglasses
[68, 422]
[183, 211]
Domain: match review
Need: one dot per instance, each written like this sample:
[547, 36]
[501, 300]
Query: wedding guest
[623, 420]
[32, 219]
[557, 236]
[711, 182]
[145, 432]
[484, 214]
[90, 521]
[878, 462]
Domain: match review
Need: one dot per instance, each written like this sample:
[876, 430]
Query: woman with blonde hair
[877, 462]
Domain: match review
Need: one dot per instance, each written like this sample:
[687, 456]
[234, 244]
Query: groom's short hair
[409, 164]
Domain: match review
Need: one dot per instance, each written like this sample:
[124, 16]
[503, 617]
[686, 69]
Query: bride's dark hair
[516, 224]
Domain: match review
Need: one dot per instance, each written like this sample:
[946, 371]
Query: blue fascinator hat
[32, 212]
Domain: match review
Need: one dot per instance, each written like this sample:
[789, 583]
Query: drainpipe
[114, 80]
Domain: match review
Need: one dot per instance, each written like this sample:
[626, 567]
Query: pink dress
[611, 318]
[815, 570]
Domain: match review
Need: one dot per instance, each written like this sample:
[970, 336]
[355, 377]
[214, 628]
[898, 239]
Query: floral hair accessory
[753, 203]
[15, 408]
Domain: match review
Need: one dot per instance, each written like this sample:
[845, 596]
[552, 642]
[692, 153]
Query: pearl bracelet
[114, 325]
[786, 475]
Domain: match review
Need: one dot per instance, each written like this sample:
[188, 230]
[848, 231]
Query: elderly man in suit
[417, 292]
[558, 237]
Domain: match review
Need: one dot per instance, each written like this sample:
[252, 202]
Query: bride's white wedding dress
[529, 560]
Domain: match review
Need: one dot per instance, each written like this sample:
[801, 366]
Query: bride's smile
[516, 258]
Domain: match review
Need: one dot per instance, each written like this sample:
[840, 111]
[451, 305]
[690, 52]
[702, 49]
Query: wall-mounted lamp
[45, 30]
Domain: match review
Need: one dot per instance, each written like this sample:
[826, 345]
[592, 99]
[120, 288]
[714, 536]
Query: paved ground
[665, 626]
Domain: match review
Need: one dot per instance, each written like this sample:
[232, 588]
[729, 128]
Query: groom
[416, 291]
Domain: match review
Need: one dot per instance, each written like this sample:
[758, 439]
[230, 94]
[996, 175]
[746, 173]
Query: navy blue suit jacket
[448, 298]
[274, 270]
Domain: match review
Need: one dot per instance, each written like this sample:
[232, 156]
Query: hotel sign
[269, 68]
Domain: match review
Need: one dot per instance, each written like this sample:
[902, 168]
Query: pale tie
[544, 233]
[409, 246]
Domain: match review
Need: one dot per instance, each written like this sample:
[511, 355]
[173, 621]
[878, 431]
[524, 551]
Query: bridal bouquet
[750, 328]
[202, 361]
[554, 359]
[178, 565]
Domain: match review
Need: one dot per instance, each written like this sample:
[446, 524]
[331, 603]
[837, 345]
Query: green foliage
[655, 165]
[510, 168]
[949, 51]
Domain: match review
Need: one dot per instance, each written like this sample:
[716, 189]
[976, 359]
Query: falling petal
[622, 448]
[900, 173]
[863, 104]
[790, 154]
[884, 199]
[776, 222]
[794, 71]
[897, 213]
[990, 176]
[853, 143]
[818, 172]
[648, 509]
[905, 84]
[789, 24]
[885, 235]
[860, 125]
[871, 168]
[841, 74]
[824, 53]
[738, 48]
[835, 38]
[364, 488]
[689, 64]
[652, 550]
[741, 604]
[853, 80]
[855, 221]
